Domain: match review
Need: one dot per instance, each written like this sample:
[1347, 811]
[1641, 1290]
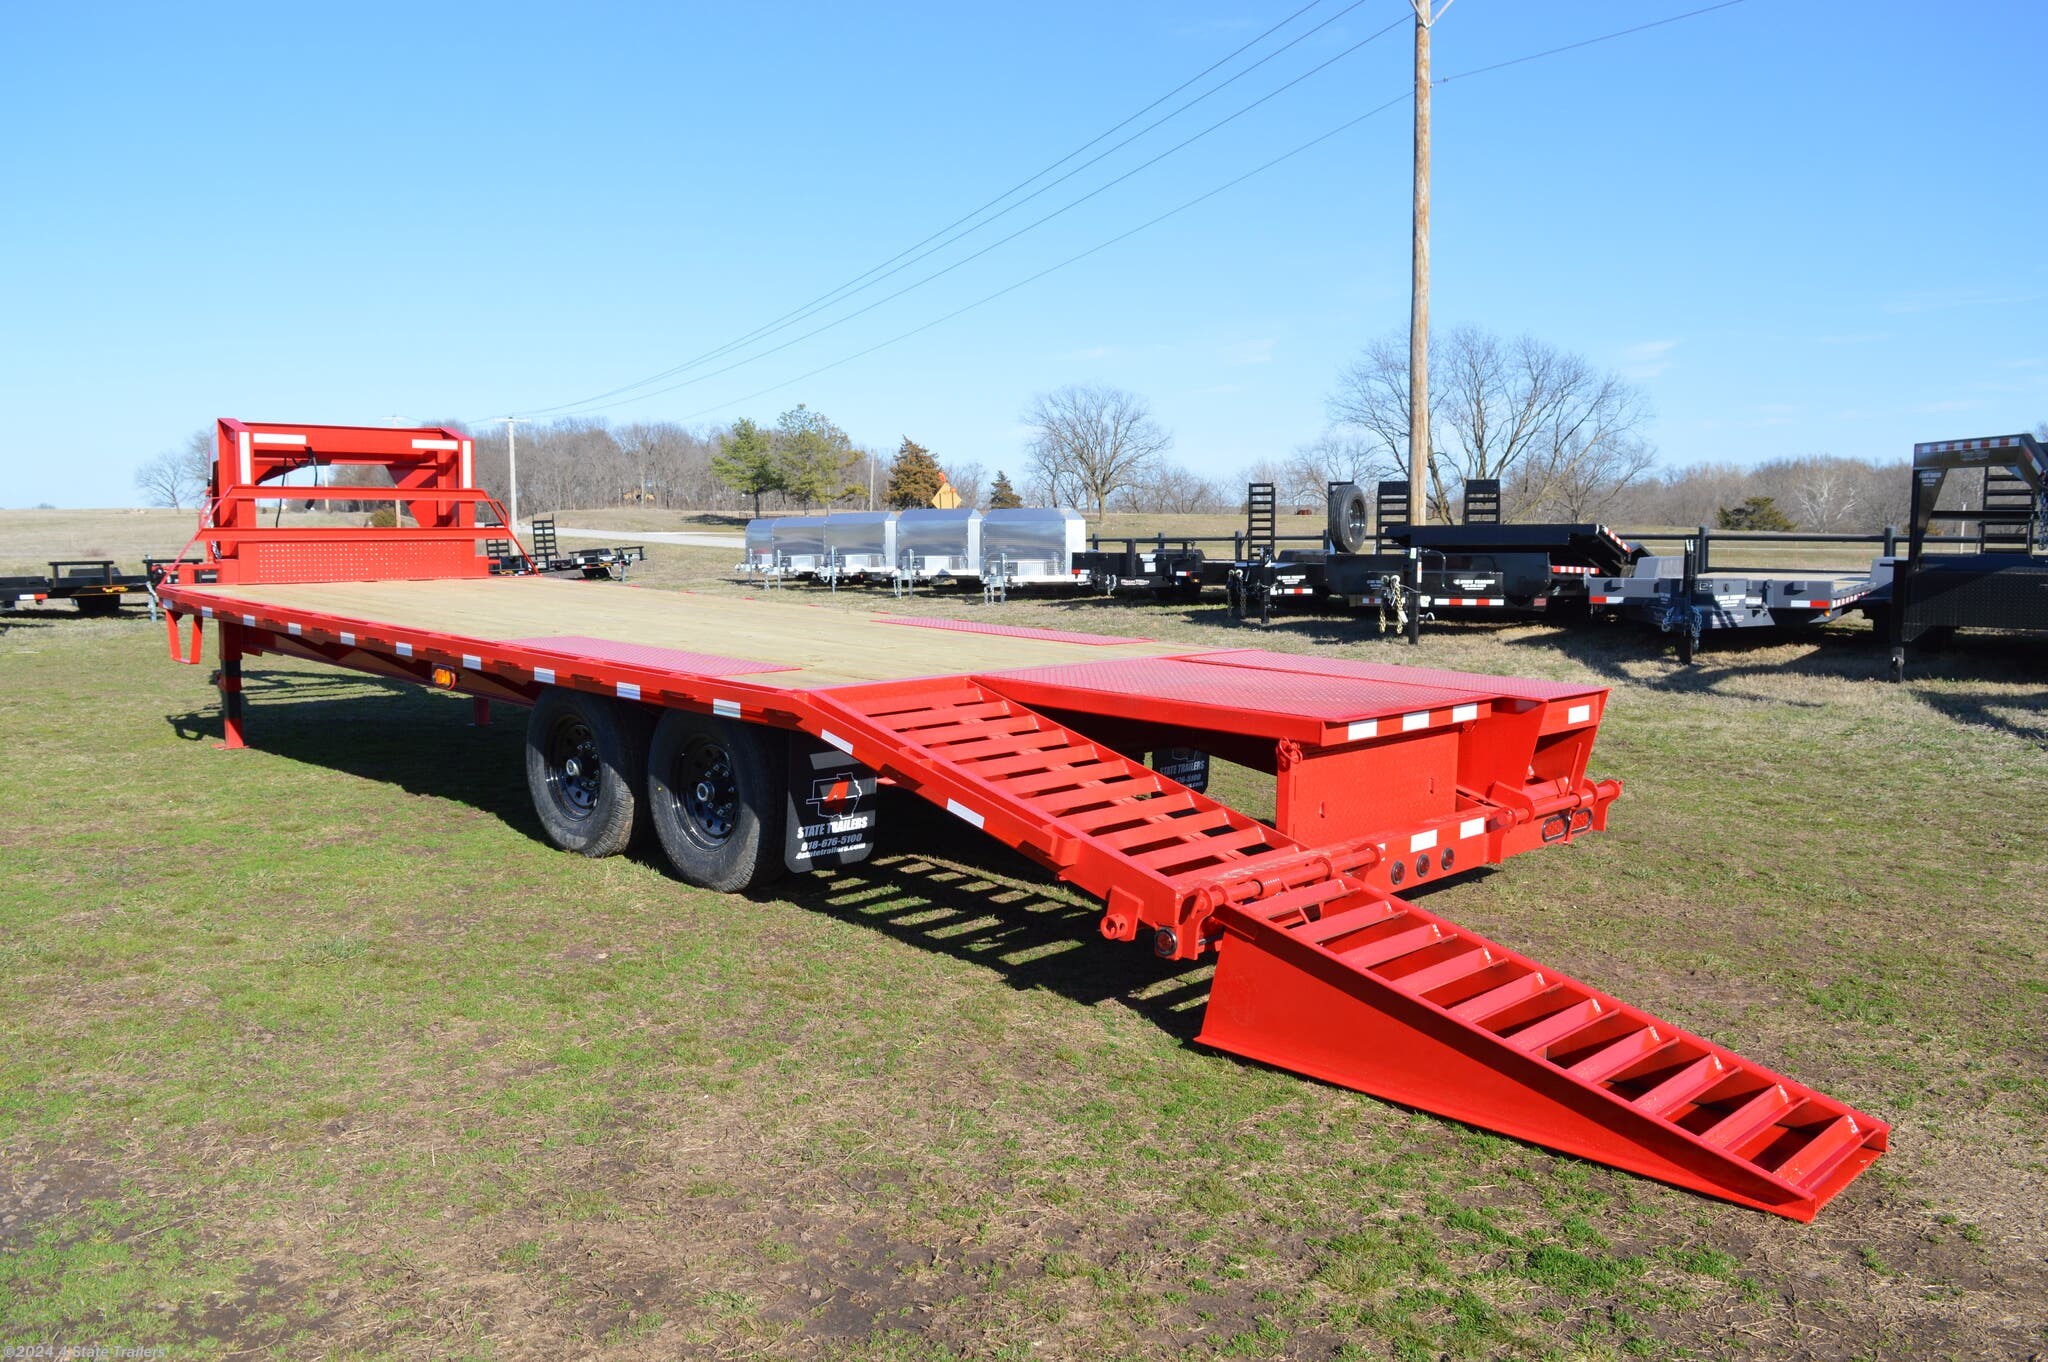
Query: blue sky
[1801, 227]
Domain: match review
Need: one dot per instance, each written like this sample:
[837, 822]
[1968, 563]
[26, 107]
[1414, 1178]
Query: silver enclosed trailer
[935, 545]
[799, 543]
[1033, 545]
[861, 543]
[760, 546]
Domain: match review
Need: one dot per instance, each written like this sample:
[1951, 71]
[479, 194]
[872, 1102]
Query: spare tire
[1350, 526]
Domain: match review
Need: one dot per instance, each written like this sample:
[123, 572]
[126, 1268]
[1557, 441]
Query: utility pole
[1427, 12]
[512, 424]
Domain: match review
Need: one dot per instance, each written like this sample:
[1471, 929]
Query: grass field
[317, 1050]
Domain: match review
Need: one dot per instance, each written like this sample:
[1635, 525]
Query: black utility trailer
[1168, 568]
[94, 585]
[2004, 584]
[547, 557]
[1387, 561]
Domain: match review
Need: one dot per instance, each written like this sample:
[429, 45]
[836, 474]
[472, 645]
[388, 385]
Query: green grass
[316, 1049]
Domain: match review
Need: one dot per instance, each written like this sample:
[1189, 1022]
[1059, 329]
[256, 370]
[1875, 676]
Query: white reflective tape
[1411, 722]
[954, 806]
[249, 620]
[842, 744]
[206, 612]
[348, 640]
[1578, 714]
[248, 466]
[1369, 728]
[1464, 714]
[628, 691]
[405, 650]
[468, 465]
[264, 437]
[292, 629]
[728, 709]
[436, 444]
[1424, 600]
[1422, 841]
[1471, 827]
[475, 664]
[544, 675]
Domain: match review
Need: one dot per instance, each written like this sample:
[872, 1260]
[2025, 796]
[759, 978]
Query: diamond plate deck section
[643, 655]
[1009, 631]
[1245, 689]
[1475, 683]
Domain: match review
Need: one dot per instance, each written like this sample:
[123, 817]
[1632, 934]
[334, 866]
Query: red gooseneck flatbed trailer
[750, 733]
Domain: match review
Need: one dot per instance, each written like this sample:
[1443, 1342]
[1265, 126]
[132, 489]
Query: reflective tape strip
[954, 806]
[292, 629]
[348, 640]
[1422, 841]
[729, 709]
[475, 664]
[405, 650]
[833, 738]
[249, 620]
[1464, 714]
[1471, 827]
[1603, 600]
[264, 437]
[248, 467]
[436, 444]
[1411, 722]
[1578, 714]
[627, 690]
[1808, 605]
[206, 612]
[468, 465]
[544, 675]
[1367, 728]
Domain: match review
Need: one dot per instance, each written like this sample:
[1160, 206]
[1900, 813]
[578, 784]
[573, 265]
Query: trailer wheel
[716, 790]
[1348, 518]
[98, 607]
[583, 763]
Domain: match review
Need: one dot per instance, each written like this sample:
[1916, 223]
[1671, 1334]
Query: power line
[863, 280]
[1169, 213]
[594, 404]
[1588, 42]
[1175, 211]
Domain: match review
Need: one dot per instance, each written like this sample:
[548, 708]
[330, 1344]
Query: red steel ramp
[1324, 973]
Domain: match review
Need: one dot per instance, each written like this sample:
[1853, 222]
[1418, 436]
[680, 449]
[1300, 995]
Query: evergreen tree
[746, 462]
[1756, 513]
[813, 455]
[914, 476]
[1002, 496]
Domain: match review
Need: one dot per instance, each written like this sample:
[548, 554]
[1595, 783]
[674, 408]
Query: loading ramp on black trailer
[2003, 586]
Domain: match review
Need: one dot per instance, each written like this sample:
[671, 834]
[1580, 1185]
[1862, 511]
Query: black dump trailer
[2003, 584]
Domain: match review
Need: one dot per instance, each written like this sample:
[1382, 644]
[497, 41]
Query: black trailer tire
[1348, 518]
[97, 607]
[584, 759]
[717, 792]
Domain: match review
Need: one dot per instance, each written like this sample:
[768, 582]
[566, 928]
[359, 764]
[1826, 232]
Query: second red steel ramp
[1322, 974]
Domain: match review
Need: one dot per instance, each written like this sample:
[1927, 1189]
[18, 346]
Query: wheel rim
[706, 793]
[575, 771]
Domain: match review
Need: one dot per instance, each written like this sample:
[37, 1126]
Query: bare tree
[1336, 456]
[1542, 420]
[1091, 442]
[1169, 489]
[966, 479]
[177, 477]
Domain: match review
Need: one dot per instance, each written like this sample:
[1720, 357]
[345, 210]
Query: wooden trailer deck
[818, 645]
